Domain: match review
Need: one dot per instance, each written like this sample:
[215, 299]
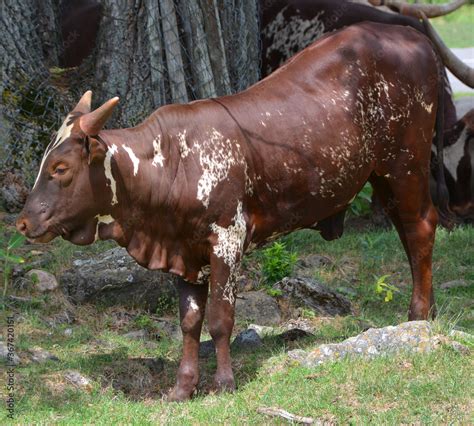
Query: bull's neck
[136, 165]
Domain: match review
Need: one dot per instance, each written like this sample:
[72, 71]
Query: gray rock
[78, 380]
[114, 278]
[461, 335]
[347, 291]
[206, 349]
[294, 334]
[68, 332]
[13, 191]
[414, 336]
[262, 330]
[40, 355]
[454, 284]
[8, 357]
[43, 280]
[64, 317]
[299, 323]
[257, 306]
[459, 347]
[311, 294]
[137, 335]
[168, 328]
[308, 264]
[247, 339]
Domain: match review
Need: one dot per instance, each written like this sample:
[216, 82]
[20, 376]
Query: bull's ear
[93, 122]
[96, 150]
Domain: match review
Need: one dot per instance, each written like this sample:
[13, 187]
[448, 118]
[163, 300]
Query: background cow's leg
[192, 307]
[407, 201]
[221, 320]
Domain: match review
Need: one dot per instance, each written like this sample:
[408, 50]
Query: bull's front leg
[192, 307]
[221, 319]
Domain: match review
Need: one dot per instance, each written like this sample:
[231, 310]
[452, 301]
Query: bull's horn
[92, 122]
[84, 105]
[430, 10]
[462, 71]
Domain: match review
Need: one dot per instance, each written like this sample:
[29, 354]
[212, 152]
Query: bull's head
[69, 191]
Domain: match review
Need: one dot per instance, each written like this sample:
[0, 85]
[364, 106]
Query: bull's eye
[60, 170]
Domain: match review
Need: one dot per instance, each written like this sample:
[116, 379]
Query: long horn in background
[430, 10]
[462, 71]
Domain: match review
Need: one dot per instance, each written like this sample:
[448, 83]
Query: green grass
[458, 95]
[457, 28]
[429, 389]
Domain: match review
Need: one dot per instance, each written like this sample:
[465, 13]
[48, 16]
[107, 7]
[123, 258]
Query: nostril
[21, 225]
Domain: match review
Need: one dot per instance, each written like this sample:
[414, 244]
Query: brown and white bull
[195, 186]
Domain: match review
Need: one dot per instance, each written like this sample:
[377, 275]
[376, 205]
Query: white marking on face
[133, 157]
[63, 133]
[107, 220]
[108, 172]
[157, 154]
[192, 303]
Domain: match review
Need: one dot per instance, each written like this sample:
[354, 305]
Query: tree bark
[31, 105]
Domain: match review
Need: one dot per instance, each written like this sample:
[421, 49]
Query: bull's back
[318, 126]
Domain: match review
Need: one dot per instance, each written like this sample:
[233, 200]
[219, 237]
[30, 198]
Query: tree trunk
[147, 52]
[31, 105]
[153, 52]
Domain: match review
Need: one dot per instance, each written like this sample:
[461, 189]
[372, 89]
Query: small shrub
[165, 305]
[361, 204]
[143, 321]
[9, 258]
[277, 263]
[274, 292]
[384, 288]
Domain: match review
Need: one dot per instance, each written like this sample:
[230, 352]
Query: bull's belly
[304, 204]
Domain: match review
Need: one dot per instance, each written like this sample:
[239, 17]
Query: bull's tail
[442, 193]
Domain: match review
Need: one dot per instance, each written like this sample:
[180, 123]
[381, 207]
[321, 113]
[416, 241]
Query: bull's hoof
[223, 384]
[179, 394]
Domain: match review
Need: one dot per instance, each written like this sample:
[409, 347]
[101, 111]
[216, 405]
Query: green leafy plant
[143, 321]
[274, 292]
[361, 204]
[9, 258]
[384, 288]
[277, 263]
[165, 304]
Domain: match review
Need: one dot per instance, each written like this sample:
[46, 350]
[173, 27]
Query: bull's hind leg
[407, 202]
[192, 306]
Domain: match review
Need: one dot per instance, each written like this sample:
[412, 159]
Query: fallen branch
[278, 412]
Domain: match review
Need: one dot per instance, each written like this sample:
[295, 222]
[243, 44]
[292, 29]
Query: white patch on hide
[289, 36]
[192, 303]
[107, 219]
[133, 157]
[421, 101]
[229, 247]
[183, 146]
[108, 172]
[454, 153]
[217, 155]
[157, 154]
